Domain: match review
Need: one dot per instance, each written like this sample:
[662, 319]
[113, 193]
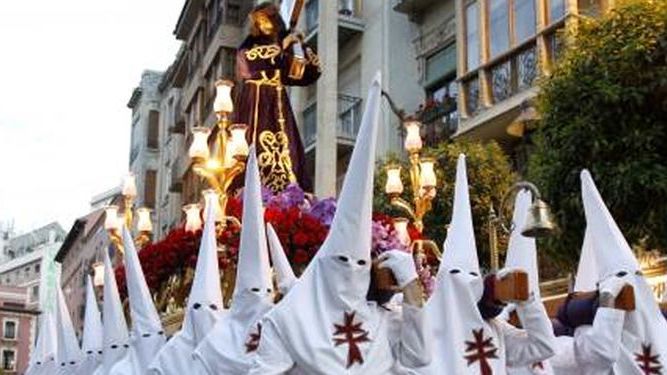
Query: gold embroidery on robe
[263, 52]
[275, 163]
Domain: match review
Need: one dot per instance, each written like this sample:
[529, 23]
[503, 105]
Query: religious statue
[264, 66]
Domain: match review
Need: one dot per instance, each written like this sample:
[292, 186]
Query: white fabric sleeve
[271, 357]
[535, 342]
[598, 346]
[413, 346]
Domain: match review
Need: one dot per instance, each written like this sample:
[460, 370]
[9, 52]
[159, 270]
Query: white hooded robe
[147, 335]
[325, 325]
[464, 343]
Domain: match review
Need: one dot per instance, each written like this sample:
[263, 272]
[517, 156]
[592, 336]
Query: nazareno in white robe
[325, 325]
[204, 305]
[229, 348]
[147, 336]
[618, 342]
[522, 254]
[91, 344]
[465, 343]
[115, 338]
[43, 357]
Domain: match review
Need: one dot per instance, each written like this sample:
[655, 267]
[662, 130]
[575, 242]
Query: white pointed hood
[228, 348]
[115, 337]
[91, 345]
[522, 250]
[69, 353]
[147, 334]
[452, 309]
[281, 266]
[335, 283]
[43, 357]
[204, 306]
[644, 329]
[587, 272]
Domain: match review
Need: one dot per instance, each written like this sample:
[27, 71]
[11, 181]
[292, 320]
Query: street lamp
[220, 166]
[539, 222]
[114, 221]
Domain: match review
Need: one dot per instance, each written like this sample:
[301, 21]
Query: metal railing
[347, 126]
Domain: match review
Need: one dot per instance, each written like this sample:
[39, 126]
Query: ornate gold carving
[268, 52]
[275, 163]
[313, 58]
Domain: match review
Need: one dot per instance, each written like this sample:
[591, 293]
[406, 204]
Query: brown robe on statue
[263, 104]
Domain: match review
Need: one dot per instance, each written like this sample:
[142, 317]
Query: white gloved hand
[401, 265]
[612, 286]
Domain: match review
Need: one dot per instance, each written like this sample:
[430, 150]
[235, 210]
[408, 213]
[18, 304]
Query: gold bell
[539, 222]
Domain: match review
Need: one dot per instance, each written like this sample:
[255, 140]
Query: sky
[67, 70]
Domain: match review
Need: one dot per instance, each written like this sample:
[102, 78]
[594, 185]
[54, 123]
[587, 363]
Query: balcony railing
[347, 126]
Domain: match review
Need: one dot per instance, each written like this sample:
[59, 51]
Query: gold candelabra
[114, 220]
[539, 222]
[220, 166]
[423, 182]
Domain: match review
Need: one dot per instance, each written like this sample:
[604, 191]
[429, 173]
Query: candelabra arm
[116, 241]
[230, 174]
[209, 176]
[404, 205]
[129, 203]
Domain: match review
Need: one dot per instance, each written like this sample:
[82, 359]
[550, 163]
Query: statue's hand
[294, 37]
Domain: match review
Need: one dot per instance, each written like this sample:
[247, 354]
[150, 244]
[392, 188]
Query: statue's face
[264, 24]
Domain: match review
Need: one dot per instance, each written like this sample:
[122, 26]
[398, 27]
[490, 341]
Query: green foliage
[605, 109]
[489, 176]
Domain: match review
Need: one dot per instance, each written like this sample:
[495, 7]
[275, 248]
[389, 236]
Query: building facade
[82, 248]
[18, 325]
[145, 140]
[26, 253]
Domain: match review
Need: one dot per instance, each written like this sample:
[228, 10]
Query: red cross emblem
[481, 350]
[253, 341]
[649, 363]
[351, 333]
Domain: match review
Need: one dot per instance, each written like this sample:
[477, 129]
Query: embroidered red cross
[253, 341]
[480, 350]
[352, 334]
[650, 364]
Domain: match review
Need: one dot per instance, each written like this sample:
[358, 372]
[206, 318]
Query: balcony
[178, 121]
[412, 7]
[347, 126]
[350, 22]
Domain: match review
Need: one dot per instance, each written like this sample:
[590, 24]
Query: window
[525, 22]
[440, 65]
[556, 10]
[472, 36]
[152, 139]
[8, 359]
[37, 268]
[34, 293]
[9, 329]
[499, 26]
[149, 188]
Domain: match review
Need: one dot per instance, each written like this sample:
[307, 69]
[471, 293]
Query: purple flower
[324, 210]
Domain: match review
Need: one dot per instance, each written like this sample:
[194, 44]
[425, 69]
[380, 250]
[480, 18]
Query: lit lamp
[223, 104]
[394, 185]
[144, 226]
[111, 218]
[238, 142]
[413, 139]
[199, 148]
[427, 179]
[193, 221]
